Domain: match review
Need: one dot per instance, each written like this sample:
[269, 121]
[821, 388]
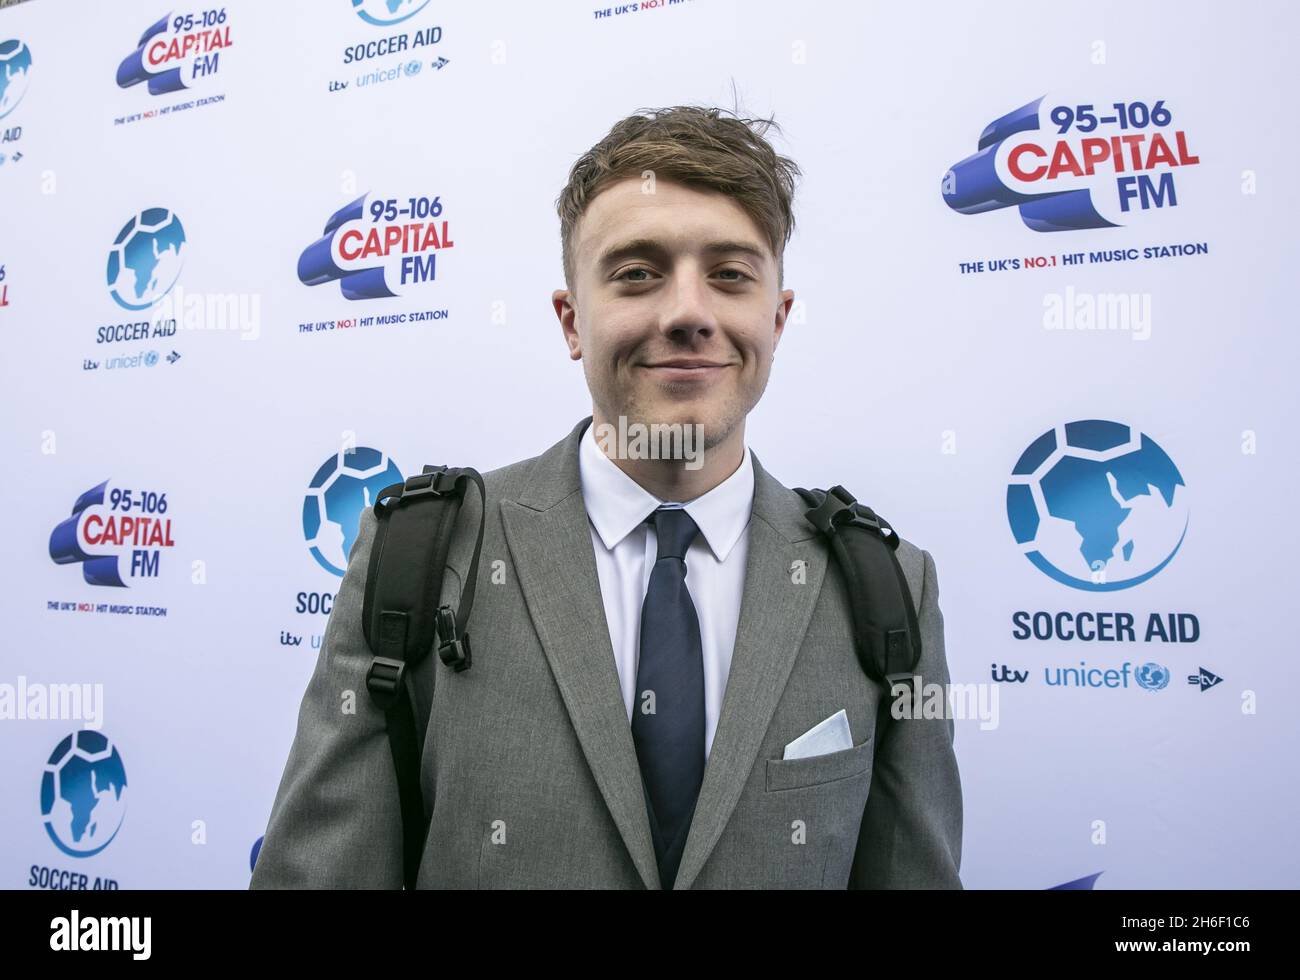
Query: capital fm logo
[384, 13]
[344, 485]
[1069, 164]
[177, 51]
[1097, 505]
[117, 534]
[145, 259]
[378, 249]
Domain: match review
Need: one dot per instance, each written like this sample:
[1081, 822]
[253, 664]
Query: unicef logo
[145, 260]
[384, 12]
[1152, 677]
[83, 794]
[1097, 506]
[342, 488]
[15, 68]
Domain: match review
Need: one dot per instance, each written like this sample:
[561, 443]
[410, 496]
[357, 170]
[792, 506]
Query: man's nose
[688, 315]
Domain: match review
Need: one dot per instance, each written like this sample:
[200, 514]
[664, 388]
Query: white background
[894, 348]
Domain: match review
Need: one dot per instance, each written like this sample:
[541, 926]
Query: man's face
[675, 311]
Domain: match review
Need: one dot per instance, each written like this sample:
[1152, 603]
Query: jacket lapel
[774, 616]
[549, 537]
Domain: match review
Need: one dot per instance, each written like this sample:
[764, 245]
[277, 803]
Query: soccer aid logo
[385, 12]
[15, 68]
[342, 488]
[145, 260]
[1097, 506]
[83, 794]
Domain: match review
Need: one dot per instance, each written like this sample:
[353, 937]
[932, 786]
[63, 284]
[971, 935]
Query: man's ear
[782, 311]
[566, 309]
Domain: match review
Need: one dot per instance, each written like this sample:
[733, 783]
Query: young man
[664, 627]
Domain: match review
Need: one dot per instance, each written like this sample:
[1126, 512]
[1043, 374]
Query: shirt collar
[617, 504]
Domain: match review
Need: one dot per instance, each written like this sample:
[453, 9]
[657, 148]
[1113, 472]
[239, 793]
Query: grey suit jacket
[529, 769]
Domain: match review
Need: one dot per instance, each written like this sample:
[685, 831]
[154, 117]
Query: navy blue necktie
[668, 715]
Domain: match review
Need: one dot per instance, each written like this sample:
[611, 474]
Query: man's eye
[627, 272]
[739, 274]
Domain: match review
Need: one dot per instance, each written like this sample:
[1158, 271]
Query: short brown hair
[697, 146]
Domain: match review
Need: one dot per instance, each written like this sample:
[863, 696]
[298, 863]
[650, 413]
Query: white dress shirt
[626, 548]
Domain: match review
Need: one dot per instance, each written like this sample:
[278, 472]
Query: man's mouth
[686, 369]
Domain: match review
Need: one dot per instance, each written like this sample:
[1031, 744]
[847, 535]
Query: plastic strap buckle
[384, 680]
[906, 680]
[841, 509]
[827, 515]
[453, 650]
[434, 482]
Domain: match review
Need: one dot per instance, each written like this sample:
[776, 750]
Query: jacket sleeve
[336, 821]
[912, 827]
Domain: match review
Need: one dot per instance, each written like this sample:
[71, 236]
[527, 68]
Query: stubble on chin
[622, 397]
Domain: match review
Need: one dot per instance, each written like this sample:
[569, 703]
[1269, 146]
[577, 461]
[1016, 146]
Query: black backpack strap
[402, 619]
[886, 634]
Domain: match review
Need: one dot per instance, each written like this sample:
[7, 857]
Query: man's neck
[672, 479]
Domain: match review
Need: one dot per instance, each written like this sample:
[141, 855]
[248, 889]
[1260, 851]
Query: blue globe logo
[15, 69]
[385, 12]
[145, 260]
[1152, 676]
[83, 794]
[1097, 506]
[342, 488]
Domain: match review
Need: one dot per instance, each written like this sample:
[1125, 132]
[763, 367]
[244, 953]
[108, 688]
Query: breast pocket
[785, 774]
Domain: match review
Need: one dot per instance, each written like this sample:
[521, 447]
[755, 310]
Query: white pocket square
[831, 735]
